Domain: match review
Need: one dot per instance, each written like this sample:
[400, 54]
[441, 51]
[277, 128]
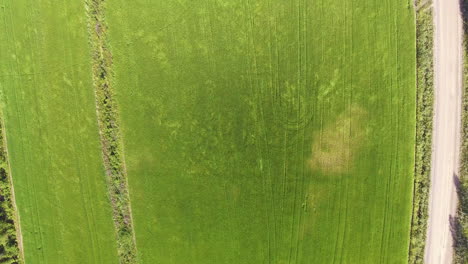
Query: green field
[252, 131]
[53, 141]
[267, 131]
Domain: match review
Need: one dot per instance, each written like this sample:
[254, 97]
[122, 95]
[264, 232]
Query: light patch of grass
[336, 145]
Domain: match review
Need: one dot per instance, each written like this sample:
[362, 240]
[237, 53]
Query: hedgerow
[424, 114]
[109, 131]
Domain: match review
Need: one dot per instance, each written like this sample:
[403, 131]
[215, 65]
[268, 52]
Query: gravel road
[446, 133]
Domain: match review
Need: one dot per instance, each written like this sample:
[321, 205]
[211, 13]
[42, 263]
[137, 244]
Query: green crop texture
[53, 137]
[248, 131]
[267, 131]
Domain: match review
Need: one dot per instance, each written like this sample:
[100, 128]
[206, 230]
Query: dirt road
[446, 137]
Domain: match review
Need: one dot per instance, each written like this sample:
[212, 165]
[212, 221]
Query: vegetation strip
[424, 115]
[109, 131]
[10, 234]
[460, 222]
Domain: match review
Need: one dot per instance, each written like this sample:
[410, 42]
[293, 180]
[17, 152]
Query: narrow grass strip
[109, 131]
[459, 223]
[10, 231]
[424, 117]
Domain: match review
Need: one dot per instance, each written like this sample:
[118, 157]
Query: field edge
[8, 207]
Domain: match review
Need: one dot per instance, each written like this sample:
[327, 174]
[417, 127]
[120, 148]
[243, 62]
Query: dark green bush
[9, 250]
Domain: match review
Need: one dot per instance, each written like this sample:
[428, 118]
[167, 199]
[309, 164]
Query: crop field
[267, 131]
[207, 132]
[53, 139]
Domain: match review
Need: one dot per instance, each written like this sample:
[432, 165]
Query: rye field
[267, 131]
[243, 131]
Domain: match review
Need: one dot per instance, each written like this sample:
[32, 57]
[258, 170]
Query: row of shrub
[424, 114]
[109, 130]
[9, 250]
[459, 223]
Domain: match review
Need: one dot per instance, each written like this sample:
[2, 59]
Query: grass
[460, 222]
[266, 131]
[53, 140]
[110, 134]
[424, 114]
[9, 226]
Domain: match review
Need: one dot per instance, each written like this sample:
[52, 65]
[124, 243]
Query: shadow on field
[459, 223]
[464, 14]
